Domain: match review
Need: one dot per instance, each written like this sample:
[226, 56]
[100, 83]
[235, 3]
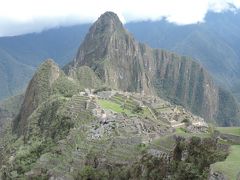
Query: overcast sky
[24, 16]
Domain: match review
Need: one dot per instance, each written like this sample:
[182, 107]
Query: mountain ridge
[212, 43]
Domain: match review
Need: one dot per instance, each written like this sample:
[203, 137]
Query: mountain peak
[106, 34]
[110, 15]
[107, 22]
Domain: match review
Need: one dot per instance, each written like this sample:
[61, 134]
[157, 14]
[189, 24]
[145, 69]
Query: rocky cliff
[123, 63]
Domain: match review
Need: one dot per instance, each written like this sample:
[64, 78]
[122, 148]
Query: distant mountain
[9, 109]
[13, 75]
[20, 55]
[214, 44]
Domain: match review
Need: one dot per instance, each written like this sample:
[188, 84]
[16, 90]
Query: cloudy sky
[24, 16]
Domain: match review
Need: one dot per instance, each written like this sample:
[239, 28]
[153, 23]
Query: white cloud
[23, 16]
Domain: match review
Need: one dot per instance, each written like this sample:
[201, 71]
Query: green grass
[231, 166]
[166, 142]
[128, 103]
[147, 113]
[229, 130]
[105, 104]
[181, 132]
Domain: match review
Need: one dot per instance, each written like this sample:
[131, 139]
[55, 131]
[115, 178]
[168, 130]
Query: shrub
[137, 109]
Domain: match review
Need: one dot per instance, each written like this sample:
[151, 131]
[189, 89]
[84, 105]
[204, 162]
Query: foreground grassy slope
[231, 166]
[229, 130]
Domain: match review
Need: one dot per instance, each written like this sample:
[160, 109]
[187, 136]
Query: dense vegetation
[191, 160]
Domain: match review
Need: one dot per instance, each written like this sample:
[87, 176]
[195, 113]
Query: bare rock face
[37, 92]
[187, 83]
[114, 55]
[123, 63]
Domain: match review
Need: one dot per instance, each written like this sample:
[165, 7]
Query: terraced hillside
[92, 135]
[64, 130]
[80, 134]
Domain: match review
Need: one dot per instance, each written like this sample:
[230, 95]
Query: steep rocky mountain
[123, 63]
[89, 124]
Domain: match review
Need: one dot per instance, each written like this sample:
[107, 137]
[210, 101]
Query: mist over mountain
[41, 15]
